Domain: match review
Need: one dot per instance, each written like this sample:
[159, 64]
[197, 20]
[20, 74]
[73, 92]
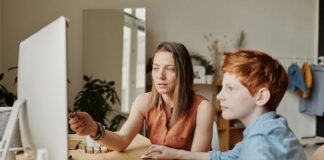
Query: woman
[174, 115]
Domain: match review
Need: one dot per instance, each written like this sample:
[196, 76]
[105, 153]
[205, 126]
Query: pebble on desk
[89, 150]
[104, 149]
[96, 150]
[82, 148]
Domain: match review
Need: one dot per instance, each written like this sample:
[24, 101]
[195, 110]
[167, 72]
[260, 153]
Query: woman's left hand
[160, 152]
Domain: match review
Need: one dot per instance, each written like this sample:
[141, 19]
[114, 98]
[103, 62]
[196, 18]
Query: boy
[253, 85]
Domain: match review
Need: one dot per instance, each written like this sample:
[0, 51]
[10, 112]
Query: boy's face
[235, 99]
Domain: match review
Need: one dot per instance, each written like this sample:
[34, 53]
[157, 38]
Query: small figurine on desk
[91, 146]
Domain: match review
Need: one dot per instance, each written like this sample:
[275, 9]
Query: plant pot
[209, 79]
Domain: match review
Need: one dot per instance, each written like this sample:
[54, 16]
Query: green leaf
[116, 121]
[86, 78]
[96, 98]
[10, 99]
[210, 69]
[111, 83]
[12, 68]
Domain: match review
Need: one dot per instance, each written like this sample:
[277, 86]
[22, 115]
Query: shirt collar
[160, 103]
[261, 118]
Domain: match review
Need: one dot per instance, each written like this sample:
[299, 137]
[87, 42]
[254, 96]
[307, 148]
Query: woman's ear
[262, 96]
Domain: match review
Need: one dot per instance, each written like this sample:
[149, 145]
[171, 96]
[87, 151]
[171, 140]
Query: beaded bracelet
[100, 132]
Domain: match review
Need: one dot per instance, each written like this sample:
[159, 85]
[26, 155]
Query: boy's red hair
[258, 70]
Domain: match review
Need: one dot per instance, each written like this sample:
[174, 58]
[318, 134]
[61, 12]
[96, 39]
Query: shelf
[203, 85]
[238, 127]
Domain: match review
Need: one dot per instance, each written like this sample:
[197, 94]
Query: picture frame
[199, 74]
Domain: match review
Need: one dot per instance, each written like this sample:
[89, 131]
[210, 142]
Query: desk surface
[133, 151]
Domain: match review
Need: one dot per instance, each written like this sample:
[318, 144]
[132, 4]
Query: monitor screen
[42, 82]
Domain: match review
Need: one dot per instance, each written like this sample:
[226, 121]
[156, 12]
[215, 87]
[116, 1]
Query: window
[133, 76]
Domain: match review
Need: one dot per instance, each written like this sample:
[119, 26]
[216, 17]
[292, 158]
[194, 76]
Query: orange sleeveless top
[180, 134]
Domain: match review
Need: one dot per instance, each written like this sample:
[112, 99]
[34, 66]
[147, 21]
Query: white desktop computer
[41, 107]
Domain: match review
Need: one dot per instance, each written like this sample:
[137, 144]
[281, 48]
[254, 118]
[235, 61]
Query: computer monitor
[42, 82]
[42, 94]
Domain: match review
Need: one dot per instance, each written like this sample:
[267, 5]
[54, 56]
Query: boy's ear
[262, 96]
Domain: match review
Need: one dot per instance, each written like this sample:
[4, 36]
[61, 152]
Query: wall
[22, 18]
[278, 27]
[103, 45]
[1, 59]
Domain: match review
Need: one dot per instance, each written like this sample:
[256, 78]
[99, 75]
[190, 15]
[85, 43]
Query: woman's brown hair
[182, 94]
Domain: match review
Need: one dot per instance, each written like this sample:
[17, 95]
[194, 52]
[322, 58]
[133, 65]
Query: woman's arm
[121, 139]
[115, 140]
[318, 154]
[204, 127]
[163, 152]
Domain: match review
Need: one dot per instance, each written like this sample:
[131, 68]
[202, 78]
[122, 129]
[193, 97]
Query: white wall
[278, 27]
[103, 45]
[22, 18]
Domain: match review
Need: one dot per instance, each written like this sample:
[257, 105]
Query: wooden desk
[133, 151]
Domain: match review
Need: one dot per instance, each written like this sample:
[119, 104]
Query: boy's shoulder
[274, 133]
[276, 126]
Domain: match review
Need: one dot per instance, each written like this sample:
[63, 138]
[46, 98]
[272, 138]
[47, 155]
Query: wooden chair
[215, 140]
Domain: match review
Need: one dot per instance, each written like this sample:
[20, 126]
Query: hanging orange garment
[307, 74]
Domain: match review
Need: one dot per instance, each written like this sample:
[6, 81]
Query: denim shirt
[268, 137]
[296, 79]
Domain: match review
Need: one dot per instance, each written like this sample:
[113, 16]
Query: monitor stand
[17, 109]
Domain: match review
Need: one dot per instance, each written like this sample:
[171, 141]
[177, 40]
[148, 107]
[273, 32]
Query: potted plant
[209, 68]
[96, 98]
[217, 49]
[7, 98]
